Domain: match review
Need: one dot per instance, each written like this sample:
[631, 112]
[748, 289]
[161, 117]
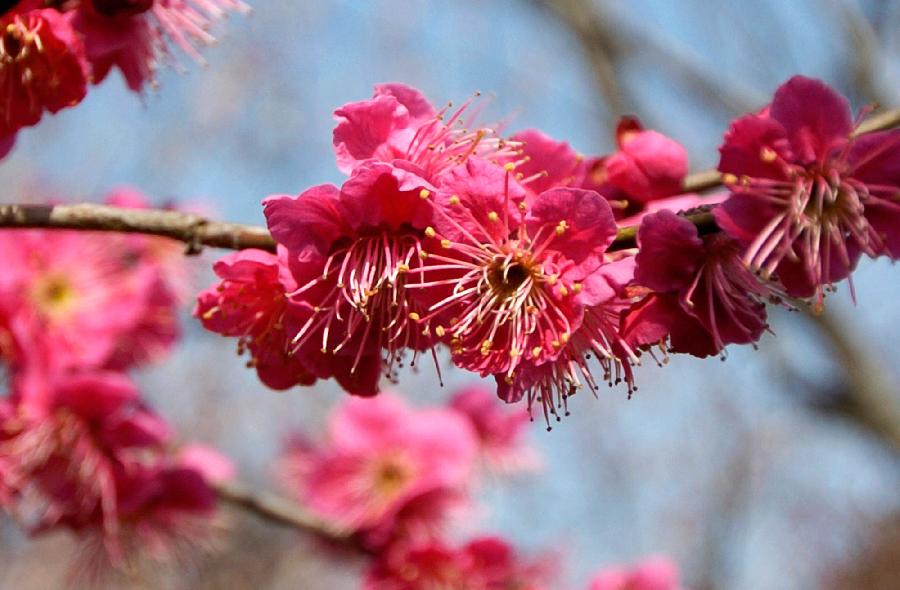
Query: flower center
[390, 476]
[113, 8]
[505, 277]
[53, 295]
[13, 43]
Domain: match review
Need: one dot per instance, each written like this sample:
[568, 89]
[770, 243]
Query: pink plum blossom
[484, 563]
[399, 126]
[653, 573]
[350, 251]
[384, 468]
[701, 297]
[809, 196]
[42, 67]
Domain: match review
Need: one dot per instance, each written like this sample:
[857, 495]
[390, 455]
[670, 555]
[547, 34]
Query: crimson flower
[808, 195]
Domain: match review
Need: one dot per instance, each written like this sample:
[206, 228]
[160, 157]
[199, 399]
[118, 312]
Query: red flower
[808, 197]
[398, 125]
[485, 563]
[505, 275]
[654, 573]
[42, 68]
[350, 252]
[136, 35]
[250, 303]
[701, 297]
[385, 469]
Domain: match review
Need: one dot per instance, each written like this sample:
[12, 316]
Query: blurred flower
[654, 573]
[69, 293]
[136, 36]
[399, 126]
[485, 563]
[501, 431]
[66, 442]
[808, 197]
[385, 470]
[42, 67]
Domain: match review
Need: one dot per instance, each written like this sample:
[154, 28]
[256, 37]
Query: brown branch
[196, 231]
[277, 510]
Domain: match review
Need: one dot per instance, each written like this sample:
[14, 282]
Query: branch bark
[277, 510]
[197, 231]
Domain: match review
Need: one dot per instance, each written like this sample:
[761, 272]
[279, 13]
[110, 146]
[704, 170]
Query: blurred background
[776, 469]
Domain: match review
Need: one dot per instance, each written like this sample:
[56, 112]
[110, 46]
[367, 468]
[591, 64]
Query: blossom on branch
[808, 196]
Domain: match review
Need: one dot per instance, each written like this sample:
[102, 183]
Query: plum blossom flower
[699, 295]
[250, 303]
[507, 277]
[68, 440]
[501, 432]
[484, 563]
[42, 68]
[808, 195]
[350, 251]
[68, 293]
[136, 36]
[399, 126]
[384, 468]
[653, 573]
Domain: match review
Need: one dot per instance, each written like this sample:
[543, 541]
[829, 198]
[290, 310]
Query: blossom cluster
[399, 482]
[52, 50]
[505, 251]
[79, 449]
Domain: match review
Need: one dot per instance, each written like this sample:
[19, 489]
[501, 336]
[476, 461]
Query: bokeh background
[762, 472]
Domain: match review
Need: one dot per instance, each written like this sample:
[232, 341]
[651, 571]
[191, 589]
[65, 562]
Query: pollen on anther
[767, 154]
[424, 194]
[493, 216]
[509, 166]
[446, 243]
[536, 351]
[440, 331]
[561, 227]
[429, 231]
[454, 200]
[414, 316]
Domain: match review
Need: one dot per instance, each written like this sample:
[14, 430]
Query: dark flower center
[112, 8]
[505, 277]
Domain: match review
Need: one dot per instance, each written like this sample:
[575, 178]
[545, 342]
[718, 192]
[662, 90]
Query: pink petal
[815, 117]
[670, 252]
[306, 224]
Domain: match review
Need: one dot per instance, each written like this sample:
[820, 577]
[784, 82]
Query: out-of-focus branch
[871, 398]
[277, 510]
[606, 39]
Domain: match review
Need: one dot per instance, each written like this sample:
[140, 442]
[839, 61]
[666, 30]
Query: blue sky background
[706, 449]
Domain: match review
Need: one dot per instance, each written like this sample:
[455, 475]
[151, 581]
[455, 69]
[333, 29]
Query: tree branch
[196, 231]
[277, 510]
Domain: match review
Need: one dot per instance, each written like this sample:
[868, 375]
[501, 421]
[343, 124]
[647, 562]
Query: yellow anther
[440, 331]
[514, 352]
[423, 254]
[729, 179]
[577, 287]
[536, 351]
[424, 193]
[561, 227]
[414, 316]
[446, 243]
[429, 231]
[454, 200]
[208, 314]
[767, 154]
[564, 337]
[486, 347]
[402, 268]
[509, 166]
[555, 344]
[551, 280]
[523, 206]
[493, 216]
[563, 291]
